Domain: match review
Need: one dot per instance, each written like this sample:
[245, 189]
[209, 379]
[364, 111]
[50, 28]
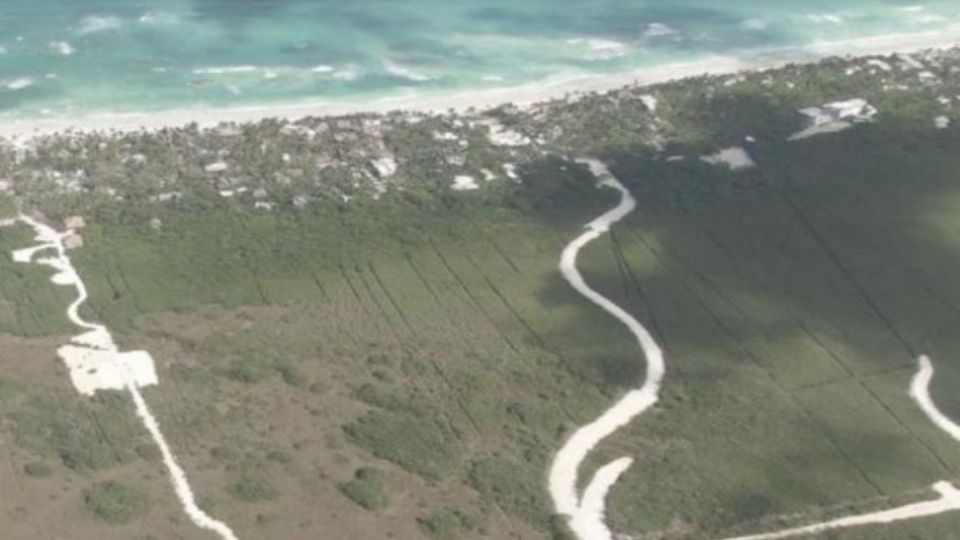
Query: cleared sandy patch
[735, 158]
[96, 363]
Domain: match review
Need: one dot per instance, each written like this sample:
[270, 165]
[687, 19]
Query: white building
[855, 110]
[74, 222]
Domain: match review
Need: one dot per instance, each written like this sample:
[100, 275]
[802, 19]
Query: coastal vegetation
[406, 355]
[115, 503]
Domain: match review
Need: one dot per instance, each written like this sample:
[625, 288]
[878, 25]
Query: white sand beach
[558, 87]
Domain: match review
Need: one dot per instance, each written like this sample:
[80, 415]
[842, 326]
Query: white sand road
[96, 363]
[948, 501]
[586, 512]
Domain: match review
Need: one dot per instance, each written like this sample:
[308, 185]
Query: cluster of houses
[292, 163]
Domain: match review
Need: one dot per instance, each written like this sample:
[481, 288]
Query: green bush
[248, 370]
[292, 375]
[37, 469]
[115, 503]
[253, 489]
[148, 451]
[515, 486]
[447, 523]
[366, 489]
[560, 528]
[419, 445]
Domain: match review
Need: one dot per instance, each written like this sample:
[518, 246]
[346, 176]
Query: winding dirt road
[586, 512]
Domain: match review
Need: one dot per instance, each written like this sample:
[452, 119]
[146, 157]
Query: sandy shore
[520, 95]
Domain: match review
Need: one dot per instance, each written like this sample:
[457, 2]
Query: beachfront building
[855, 110]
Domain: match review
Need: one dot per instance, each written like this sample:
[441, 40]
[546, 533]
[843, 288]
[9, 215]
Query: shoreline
[522, 95]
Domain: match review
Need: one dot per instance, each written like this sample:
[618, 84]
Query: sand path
[96, 347]
[949, 496]
[586, 513]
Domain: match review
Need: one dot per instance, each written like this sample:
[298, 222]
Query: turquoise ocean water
[72, 57]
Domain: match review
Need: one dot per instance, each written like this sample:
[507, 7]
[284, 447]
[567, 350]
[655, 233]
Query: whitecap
[601, 49]
[19, 84]
[323, 69]
[224, 70]
[404, 72]
[493, 78]
[657, 29]
[820, 18]
[347, 73]
[157, 18]
[62, 47]
[929, 18]
[94, 24]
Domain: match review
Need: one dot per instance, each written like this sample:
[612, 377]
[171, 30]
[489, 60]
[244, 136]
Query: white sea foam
[404, 72]
[95, 24]
[62, 47]
[19, 84]
[832, 18]
[929, 18]
[323, 69]
[570, 83]
[919, 14]
[158, 18]
[350, 72]
[601, 49]
[224, 70]
[657, 29]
